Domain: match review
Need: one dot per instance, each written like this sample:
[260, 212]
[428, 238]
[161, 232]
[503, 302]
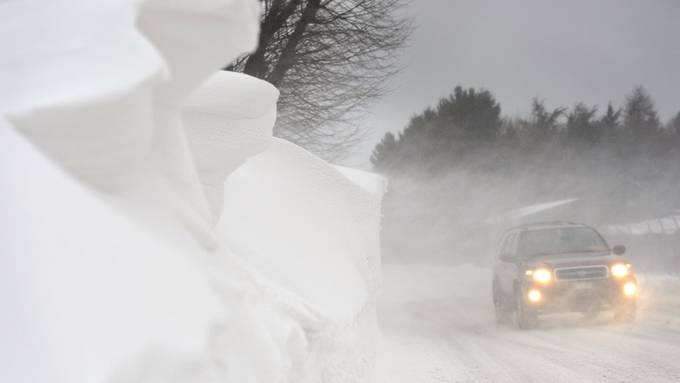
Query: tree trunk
[256, 65]
[287, 59]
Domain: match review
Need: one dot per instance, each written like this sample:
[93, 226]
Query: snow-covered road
[439, 326]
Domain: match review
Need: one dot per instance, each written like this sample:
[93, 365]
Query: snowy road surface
[438, 326]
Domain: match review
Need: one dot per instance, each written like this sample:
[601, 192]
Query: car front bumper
[579, 295]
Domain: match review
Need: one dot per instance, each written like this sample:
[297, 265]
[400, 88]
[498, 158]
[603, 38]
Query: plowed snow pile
[151, 228]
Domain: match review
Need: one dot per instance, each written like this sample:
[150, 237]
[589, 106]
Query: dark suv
[557, 267]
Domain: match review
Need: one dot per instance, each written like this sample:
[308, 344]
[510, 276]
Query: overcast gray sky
[593, 51]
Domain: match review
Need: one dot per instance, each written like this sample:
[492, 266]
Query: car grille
[581, 273]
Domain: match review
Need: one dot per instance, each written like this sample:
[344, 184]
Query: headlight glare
[534, 296]
[542, 276]
[620, 270]
[630, 289]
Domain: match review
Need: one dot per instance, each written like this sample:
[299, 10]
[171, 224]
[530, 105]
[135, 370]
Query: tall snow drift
[152, 229]
[86, 291]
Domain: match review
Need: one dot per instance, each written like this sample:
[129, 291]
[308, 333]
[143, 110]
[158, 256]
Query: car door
[508, 264]
[497, 262]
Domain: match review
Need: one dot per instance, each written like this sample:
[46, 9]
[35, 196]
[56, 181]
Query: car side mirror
[619, 250]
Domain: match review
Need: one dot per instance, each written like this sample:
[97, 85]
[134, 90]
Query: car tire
[524, 318]
[499, 306]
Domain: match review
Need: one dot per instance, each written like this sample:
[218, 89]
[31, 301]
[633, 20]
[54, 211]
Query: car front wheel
[524, 317]
[498, 305]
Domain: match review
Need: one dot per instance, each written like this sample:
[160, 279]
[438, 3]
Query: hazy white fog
[562, 51]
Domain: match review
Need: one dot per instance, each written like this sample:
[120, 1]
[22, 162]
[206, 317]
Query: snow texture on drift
[61, 52]
[322, 234]
[325, 224]
[112, 185]
[84, 289]
[439, 326]
[228, 119]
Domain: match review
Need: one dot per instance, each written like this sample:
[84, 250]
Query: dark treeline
[461, 162]
[563, 152]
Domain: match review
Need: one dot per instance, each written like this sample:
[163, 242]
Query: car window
[509, 245]
[561, 241]
[503, 245]
[512, 244]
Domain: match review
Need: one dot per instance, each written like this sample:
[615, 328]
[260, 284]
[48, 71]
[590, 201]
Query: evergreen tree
[469, 115]
[463, 124]
[610, 125]
[673, 126]
[673, 130]
[582, 129]
[544, 123]
[385, 149]
[640, 119]
[611, 121]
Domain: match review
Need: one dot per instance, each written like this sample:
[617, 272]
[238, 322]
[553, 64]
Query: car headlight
[620, 270]
[630, 289]
[535, 296]
[542, 276]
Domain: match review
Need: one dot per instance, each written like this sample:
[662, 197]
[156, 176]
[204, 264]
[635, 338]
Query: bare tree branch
[330, 59]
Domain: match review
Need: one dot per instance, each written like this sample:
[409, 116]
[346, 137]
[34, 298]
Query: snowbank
[315, 235]
[125, 256]
[228, 119]
[86, 291]
[297, 222]
[316, 219]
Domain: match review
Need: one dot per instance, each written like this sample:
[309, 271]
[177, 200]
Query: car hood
[575, 260]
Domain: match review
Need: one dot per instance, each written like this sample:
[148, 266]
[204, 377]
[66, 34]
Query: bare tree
[330, 59]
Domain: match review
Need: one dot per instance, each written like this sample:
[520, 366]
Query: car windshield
[561, 241]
